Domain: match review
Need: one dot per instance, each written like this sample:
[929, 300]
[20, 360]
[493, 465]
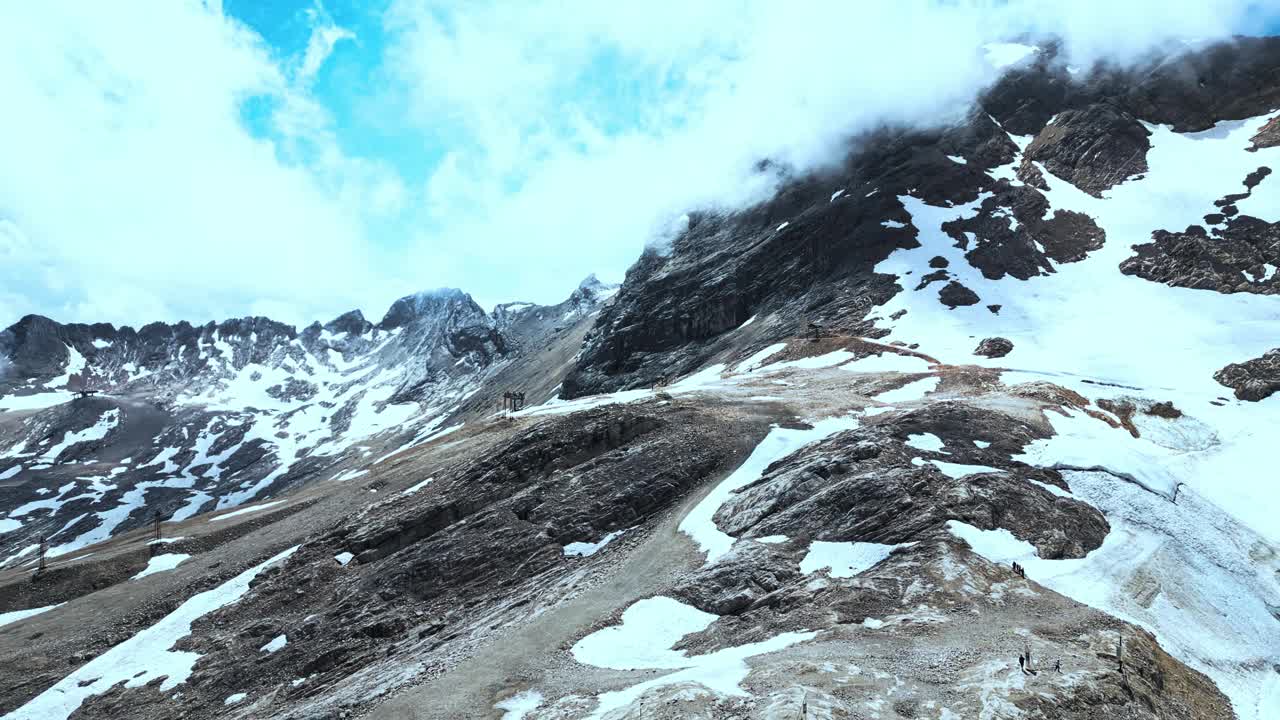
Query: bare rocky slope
[974, 425]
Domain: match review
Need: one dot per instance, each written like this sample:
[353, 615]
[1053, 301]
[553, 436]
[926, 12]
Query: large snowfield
[1193, 501]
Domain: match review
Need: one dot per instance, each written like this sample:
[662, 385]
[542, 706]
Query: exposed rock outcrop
[1255, 379]
[1268, 136]
[1238, 257]
[1094, 148]
[1013, 234]
[867, 485]
[954, 294]
[994, 347]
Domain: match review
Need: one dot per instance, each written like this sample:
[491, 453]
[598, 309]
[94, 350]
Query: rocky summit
[977, 421]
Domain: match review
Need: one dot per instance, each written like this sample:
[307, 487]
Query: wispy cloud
[325, 36]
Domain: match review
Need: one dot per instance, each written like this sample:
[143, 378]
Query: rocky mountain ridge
[218, 415]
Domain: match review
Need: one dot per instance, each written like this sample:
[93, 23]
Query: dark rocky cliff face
[808, 254]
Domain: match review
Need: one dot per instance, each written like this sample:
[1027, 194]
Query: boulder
[1255, 379]
[994, 347]
[954, 294]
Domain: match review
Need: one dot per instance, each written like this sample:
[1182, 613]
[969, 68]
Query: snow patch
[106, 423]
[759, 357]
[14, 616]
[831, 359]
[1003, 55]
[585, 549]
[416, 487]
[913, 391]
[349, 475]
[247, 510]
[956, 470]
[519, 705]
[161, 563]
[845, 559]
[277, 643]
[37, 401]
[925, 441]
[643, 642]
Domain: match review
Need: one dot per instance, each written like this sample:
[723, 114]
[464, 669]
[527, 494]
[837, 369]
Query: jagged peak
[352, 322]
[427, 302]
[591, 289]
[590, 281]
[255, 324]
[27, 321]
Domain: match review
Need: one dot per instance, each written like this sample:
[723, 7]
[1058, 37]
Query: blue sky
[202, 159]
[345, 82]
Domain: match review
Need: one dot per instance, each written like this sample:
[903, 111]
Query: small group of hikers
[1021, 571]
[1024, 662]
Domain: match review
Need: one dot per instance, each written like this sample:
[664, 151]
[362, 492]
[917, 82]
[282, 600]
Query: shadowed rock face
[1254, 380]
[1013, 234]
[1233, 258]
[1190, 91]
[954, 294]
[352, 323]
[1093, 148]
[675, 308]
[819, 267]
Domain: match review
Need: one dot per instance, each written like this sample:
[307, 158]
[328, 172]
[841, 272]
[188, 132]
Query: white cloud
[129, 169]
[571, 135]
